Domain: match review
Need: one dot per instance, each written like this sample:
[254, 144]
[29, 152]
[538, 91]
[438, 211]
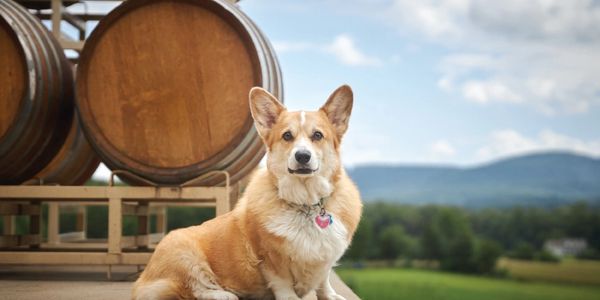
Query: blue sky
[450, 81]
[459, 82]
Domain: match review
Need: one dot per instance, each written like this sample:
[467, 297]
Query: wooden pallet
[117, 250]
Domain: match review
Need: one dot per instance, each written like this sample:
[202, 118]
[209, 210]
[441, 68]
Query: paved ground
[82, 283]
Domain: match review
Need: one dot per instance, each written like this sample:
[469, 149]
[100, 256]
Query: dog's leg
[326, 292]
[203, 282]
[282, 287]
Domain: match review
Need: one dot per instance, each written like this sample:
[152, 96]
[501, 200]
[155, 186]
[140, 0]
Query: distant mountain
[536, 179]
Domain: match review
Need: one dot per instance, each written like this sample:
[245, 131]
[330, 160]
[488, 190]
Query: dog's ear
[338, 108]
[265, 109]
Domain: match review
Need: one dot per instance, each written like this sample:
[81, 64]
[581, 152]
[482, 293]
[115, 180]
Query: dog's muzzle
[301, 162]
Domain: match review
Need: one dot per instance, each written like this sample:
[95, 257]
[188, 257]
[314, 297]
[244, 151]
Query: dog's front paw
[287, 297]
[330, 297]
[216, 295]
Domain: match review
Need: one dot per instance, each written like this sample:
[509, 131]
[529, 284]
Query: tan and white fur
[269, 245]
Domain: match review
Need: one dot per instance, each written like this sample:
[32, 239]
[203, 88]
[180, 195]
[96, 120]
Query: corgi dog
[294, 221]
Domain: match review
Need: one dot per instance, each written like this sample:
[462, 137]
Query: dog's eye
[317, 136]
[287, 136]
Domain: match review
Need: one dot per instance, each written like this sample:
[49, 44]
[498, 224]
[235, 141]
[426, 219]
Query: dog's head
[302, 143]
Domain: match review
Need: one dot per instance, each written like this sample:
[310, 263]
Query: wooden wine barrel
[36, 94]
[74, 164]
[162, 89]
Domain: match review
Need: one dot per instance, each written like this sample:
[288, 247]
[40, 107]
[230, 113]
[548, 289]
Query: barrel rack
[78, 20]
[67, 249]
[59, 13]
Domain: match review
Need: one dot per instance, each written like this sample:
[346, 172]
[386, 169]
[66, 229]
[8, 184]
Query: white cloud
[550, 80]
[510, 142]
[342, 47]
[558, 20]
[445, 83]
[543, 54]
[485, 91]
[435, 18]
[441, 149]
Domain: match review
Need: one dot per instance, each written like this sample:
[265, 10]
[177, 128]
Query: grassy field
[408, 284]
[566, 271]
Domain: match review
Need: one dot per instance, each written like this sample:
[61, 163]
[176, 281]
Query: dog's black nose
[302, 156]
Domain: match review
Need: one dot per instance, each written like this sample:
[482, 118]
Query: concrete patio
[84, 282]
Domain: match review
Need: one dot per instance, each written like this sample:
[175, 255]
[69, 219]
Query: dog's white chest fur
[308, 242]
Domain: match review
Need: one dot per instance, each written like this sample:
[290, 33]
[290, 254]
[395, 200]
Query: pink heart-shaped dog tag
[323, 220]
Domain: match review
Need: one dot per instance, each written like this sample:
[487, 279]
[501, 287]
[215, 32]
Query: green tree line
[469, 240]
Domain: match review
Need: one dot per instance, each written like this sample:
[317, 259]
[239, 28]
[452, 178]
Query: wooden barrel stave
[37, 118]
[74, 164]
[41, 123]
[46, 110]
